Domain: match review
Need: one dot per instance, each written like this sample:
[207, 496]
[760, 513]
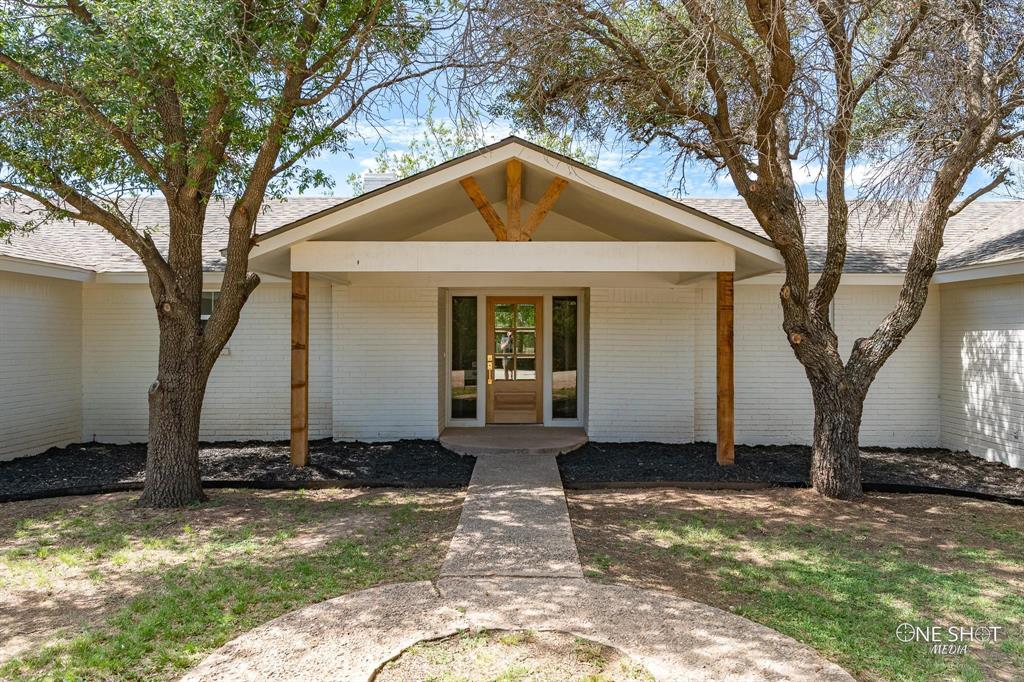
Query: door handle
[490, 369]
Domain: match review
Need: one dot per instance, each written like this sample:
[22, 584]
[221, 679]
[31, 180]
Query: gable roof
[506, 142]
[987, 232]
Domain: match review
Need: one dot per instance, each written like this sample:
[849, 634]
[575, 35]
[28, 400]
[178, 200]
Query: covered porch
[512, 296]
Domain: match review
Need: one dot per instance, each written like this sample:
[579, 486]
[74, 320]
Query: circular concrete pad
[351, 637]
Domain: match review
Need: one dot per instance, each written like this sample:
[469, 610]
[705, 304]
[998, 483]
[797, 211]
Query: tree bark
[176, 397]
[175, 407]
[835, 458]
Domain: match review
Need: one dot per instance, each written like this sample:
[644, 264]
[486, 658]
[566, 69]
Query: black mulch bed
[883, 469]
[86, 467]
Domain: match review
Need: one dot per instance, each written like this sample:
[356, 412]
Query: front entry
[514, 362]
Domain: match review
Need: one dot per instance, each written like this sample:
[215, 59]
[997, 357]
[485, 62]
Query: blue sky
[647, 168]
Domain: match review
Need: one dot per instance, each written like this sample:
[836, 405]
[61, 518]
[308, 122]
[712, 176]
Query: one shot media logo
[954, 640]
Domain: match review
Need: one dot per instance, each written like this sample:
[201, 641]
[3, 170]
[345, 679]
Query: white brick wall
[248, 395]
[374, 366]
[40, 363]
[385, 363]
[773, 398]
[773, 401]
[903, 405]
[641, 365]
[983, 369]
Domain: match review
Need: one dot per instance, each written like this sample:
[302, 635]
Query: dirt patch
[414, 463]
[68, 565]
[512, 655]
[838, 576]
[789, 464]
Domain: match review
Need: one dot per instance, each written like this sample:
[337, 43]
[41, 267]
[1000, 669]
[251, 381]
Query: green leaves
[135, 96]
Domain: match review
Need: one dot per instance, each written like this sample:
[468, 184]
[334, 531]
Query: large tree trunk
[176, 397]
[835, 460]
[175, 407]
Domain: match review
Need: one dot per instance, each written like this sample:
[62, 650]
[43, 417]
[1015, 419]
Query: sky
[648, 168]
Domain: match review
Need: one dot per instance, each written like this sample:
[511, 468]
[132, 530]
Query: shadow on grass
[178, 613]
[839, 578]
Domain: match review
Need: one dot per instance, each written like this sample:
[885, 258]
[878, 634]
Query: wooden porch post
[726, 438]
[300, 369]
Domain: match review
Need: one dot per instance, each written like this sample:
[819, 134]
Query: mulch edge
[104, 488]
[902, 488]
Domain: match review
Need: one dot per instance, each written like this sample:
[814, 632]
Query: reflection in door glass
[464, 384]
[565, 315]
[504, 315]
[515, 342]
[526, 315]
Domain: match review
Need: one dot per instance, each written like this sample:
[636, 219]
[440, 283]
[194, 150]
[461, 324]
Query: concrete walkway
[513, 565]
[350, 638]
[514, 522]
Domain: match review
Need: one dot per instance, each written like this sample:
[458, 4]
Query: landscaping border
[129, 486]
[900, 488]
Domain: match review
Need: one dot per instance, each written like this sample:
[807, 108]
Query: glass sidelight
[515, 342]
[464, 367]
[564, 358]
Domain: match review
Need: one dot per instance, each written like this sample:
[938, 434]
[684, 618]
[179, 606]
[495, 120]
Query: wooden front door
[514, 344]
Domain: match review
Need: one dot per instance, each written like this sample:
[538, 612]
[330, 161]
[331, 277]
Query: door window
[515, 341]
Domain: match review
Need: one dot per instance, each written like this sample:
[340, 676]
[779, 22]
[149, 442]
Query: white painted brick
[641, 365]
[983, 369]
[903, 406]
[773, 398]
[40, 363]
[385, 363]
[374, 366]
[248, 395]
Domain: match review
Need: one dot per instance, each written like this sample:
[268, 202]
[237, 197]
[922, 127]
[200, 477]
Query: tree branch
[999, 179]
[119, 134]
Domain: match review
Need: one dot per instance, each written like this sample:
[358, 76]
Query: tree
[196, 101]
[925, 90]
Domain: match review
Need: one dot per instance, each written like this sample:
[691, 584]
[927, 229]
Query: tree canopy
[922, 91]
[102, 101]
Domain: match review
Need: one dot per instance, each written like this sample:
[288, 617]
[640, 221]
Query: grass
[196, 582]
[839, 582]
[511, 656]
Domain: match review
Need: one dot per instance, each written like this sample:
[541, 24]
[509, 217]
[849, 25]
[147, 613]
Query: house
[598, 310]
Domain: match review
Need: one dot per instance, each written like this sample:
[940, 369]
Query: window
[564, 316]
[207, 303]
[463, 377]
[515, 342]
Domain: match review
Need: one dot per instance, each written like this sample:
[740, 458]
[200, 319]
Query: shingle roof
[986, 232]
[84, 245]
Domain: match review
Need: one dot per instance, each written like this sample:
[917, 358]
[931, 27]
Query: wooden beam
[543, 207]
[726, 390]
[300, 369]
[476, 195]
[514, 198]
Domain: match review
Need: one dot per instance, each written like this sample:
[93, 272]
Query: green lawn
[134, 594]
[838, 577]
